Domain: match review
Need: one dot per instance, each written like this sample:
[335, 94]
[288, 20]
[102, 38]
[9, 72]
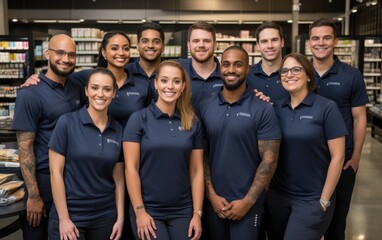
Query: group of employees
[192, 148]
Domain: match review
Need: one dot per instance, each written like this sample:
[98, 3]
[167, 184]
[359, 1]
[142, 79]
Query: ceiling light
[15, 20]
[108, 21]
[144, 20]
[354, 10]
[339, 19]
[227, 22]
[290, 21]
[374, 2]
[132, 21]
[44, 21]
[167, 22]
[252, 22]
[68, 21]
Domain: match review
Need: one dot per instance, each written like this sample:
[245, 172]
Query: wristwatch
[325, 203]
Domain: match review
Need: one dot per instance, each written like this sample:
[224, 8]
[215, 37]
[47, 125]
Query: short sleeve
[133, 131]
[359, 93]
[27, 111]
[334, 124]
[198, 139]
[59, 139]
[269, 128]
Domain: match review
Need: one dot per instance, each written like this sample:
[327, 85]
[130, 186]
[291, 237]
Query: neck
[270, 67]
[120, 75]
[149, 67]
[297, 97]
[99, 118]
[232, 96]
[323, 65]
[168, 108]
[54, 77]
[204, 69]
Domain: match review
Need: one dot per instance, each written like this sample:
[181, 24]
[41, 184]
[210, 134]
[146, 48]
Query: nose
[65, 58]
[289, 73]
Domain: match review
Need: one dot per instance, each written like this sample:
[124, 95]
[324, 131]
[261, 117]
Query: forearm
[359, 134]
[337, 153]
[118, 175]
[59, 194]
[133, 184]
[269, 152]
[207, 179]
[25, 141]
[197, 179]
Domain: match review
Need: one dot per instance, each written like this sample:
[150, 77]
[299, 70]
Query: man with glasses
[37, 110]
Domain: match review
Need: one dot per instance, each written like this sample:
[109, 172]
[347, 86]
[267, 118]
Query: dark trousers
[344, 191]
[292, 219]
[40, 232]
[99, 229]
[246, 228]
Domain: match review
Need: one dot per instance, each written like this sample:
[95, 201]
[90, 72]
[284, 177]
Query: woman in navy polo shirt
[311, 156]
[163, 148]
[86, 174]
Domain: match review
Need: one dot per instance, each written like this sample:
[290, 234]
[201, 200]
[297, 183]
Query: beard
[201, 59]
[60, 73]
[233, 86]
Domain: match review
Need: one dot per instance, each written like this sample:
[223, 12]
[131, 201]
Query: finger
[152, 222]
[38, 220]
[77, 232]
[147, 234]
[190, 228]
[152, 232]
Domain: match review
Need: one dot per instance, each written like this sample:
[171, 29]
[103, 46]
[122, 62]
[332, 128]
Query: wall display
[372, 63]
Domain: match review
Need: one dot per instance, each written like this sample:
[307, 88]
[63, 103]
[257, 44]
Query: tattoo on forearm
[207, 174]
[269, 152]
[27, 161]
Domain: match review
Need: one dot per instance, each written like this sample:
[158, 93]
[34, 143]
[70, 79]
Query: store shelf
[87, 52]
[236, 40]
[87, 39]
[86, 64]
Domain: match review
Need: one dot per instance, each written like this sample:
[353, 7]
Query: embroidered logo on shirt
[217, 85]
[78, 102]
[306, 117]
[333, 83]
[132, 94]
[112, 141]
[180, 128]
[242, 114]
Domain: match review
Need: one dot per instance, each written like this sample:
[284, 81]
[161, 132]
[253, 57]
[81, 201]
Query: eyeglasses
[62, 53]
[294, 70]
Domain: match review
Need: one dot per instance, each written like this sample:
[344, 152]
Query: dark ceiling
[261, 6]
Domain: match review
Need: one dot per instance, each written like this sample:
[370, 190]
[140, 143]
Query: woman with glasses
[301, 196]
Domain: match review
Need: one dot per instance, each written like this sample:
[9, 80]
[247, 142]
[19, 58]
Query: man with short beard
[203, 68]
[243, 138]
[37, 110]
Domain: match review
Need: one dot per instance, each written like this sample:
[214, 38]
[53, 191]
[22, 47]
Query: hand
[236, 209]
[324, 208]
[145, 225]
[117, 230]
[261, 95]
[218, 203]
[32, 80]
[68, 230]
[35, 211]
[351, 163]
[195, 228]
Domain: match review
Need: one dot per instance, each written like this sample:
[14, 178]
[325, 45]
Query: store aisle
[365, 217]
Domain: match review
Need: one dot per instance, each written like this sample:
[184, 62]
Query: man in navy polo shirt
[36, 113]
[150, 47]
[264, 75]
[203, 68]
[243, 138]
[343, 84]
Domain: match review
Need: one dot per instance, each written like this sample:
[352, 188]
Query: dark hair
[203, 26]
[269, 24]
[150, 26]
[105, 41]
[104, 71]
[306, 65]
[239, 48]
[323, 22]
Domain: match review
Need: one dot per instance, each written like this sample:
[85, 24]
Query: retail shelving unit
[14, 66]
[247, 43]
[372, 65]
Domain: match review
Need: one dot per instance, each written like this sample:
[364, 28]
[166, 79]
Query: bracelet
[199, 213]
[325, 203]
[139, 207]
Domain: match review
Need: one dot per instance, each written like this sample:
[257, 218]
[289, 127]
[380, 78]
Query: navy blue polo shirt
[38, 108]
[344, 85]
[202, 88]
[137, 72]
[132, 96]
[304, 152]
[164, 157]
[233, 131]
[270, 85]
[90, 156]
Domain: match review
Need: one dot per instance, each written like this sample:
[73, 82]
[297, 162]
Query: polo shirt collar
[215, 74]
[87, 120]
[138, 70]
[258, 70]
[158, 113]
[130, 80]
[247, 92]
[308, 100]
[52, 84]
[333, 69]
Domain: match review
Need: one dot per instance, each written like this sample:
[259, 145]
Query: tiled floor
[365, 217]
